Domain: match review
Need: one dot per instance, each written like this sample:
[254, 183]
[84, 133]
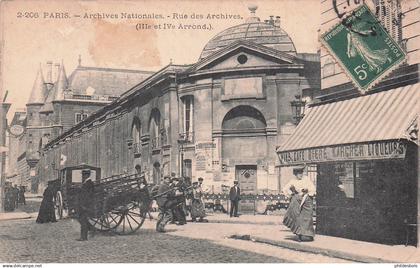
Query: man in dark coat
[86, 199]
[234, 196]
[22, 195]
[166, 202]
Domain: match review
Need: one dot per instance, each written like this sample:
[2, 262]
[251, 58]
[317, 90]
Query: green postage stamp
[363, 48]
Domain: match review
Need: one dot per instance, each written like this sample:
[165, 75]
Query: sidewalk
[353, 250]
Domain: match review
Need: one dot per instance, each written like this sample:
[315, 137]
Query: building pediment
[243, 54]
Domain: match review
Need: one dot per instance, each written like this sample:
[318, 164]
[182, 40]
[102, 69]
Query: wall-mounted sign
[346, 152]
[204, 154]
[16, 130]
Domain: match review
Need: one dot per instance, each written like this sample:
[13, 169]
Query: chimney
[271, 22]
[49, 72]
[277, 21]
[56, 71]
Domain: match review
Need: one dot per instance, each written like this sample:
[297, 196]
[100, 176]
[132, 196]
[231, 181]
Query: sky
[34, 33]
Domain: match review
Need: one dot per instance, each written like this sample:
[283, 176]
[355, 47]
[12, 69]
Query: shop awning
[367, 127]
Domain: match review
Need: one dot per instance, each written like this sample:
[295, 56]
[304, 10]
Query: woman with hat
[300, 211]
[46, 210]
[197, 205]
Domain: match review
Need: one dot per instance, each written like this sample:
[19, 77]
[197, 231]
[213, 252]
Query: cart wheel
[127, 219]
[58, 206]
[103, 223]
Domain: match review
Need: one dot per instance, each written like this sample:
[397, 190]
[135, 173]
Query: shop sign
[347, 152]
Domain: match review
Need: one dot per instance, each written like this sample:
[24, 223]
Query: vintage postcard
[239, 131]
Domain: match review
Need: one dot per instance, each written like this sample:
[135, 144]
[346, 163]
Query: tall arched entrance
[244, 147]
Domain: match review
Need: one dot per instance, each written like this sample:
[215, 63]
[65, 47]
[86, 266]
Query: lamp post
[3, 125]
[298, 108]
[181, 141]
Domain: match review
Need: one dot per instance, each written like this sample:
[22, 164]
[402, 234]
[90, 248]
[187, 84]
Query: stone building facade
[219, 118]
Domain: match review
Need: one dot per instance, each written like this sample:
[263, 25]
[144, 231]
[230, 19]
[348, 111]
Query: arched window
[135, 135]
[243, 119]
[154, 128]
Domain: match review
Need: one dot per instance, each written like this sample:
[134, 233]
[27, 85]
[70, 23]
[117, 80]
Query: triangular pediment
[243, 54]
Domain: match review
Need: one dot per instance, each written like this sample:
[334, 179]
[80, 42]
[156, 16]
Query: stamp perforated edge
[354, 81]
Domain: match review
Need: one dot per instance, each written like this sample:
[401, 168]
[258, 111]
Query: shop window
[346, 178]
[79, 117]
[349, 177]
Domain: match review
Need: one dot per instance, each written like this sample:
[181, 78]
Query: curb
[312, 249]
[243, 222]
[16, 216]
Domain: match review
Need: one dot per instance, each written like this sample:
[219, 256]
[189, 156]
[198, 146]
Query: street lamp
[183, 139]
[298, 108]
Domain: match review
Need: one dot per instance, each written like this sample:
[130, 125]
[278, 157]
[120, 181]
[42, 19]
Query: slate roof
[104, 81]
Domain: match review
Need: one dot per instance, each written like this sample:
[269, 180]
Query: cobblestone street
[26, 241]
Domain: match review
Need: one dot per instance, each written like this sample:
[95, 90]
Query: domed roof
[263, 33]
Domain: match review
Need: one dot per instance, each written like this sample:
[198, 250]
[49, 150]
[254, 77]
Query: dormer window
[79, 117]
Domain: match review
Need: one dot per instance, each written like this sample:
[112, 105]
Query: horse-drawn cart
[120, 202]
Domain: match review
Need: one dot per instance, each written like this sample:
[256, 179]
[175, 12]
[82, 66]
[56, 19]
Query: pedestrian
[46, 210]
[86, 204]
[299, 215]
[234, 196]
[146, 200]
[197, 205]
[9, 202]
[178, 210]
[15, 196]
[22, 198]
[165, 200]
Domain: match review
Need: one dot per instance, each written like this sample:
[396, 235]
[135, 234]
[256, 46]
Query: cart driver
[85, 203]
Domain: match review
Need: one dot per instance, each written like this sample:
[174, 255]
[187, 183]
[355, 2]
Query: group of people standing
[14, 195]
[174, 196]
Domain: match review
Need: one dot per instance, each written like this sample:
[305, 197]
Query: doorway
[247, 177]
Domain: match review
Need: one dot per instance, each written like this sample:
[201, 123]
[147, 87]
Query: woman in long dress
[46, 210]
[197, 204]
[300, 211]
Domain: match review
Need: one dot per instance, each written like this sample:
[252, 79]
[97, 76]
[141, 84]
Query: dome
[263, 33]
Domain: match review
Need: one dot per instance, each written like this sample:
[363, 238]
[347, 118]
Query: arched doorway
[244, 147]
